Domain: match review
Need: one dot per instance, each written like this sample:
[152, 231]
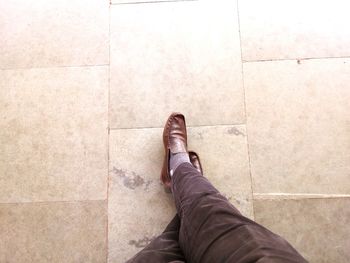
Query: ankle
[176, 159]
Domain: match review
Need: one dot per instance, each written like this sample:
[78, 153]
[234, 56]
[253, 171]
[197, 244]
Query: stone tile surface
[53, 134]
[53, 232]
[139, 209]
[317, 228]
[143, 1]
[53, 33]
[274, 29]
[175, 56]
[298, 125]
[224, 157]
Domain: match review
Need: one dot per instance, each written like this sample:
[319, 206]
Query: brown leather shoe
[175, 141]
[194, 158]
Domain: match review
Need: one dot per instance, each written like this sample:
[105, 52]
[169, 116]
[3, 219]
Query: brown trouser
[208, 228]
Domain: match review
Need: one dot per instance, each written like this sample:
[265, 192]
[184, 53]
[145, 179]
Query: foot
[194, 158]
[175, 141]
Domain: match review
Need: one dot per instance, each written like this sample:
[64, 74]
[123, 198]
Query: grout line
[152, 2]
[245, 108]
[107, 246]
[188, 126]
[56, 67]
[108, 120]
[293, 59]
[52, 201]
[294, 196]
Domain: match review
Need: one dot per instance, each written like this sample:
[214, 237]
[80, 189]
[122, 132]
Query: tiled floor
[85, 87]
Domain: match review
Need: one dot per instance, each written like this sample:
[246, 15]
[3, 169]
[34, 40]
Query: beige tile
[176, 56]
[139, 209]
[299, 125]
[224, 157]
[317, 228]
[143, 1]
[53, 232]
[53, 33]
[274, 29]
[53, 134]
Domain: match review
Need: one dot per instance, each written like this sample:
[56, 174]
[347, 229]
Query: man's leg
[213, 230]
[164, 248]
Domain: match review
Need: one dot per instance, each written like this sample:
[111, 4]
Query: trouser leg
[164, 248]
[213, 230]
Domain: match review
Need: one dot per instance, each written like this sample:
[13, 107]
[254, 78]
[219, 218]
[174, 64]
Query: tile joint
[291, 196]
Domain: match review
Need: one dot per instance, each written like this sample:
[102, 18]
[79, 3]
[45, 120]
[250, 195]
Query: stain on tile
[141, 243]
[200, 135]
[224, 158]
[119, 172]
[132, 181]
[235, 131]
[139, 209]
